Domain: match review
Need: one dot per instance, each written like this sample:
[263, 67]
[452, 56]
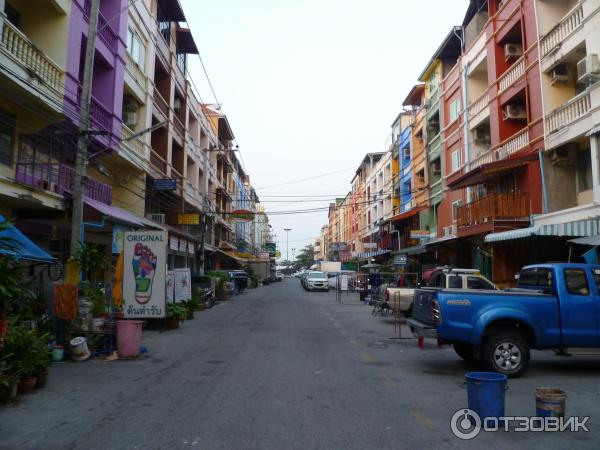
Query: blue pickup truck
[555, 306]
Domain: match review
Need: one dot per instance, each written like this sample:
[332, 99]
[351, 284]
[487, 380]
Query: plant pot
[58, 353]
[190, 314]
[172, 323]
[42, 379]
[26, 385]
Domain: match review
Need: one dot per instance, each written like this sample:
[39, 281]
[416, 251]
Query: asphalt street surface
[280, 368]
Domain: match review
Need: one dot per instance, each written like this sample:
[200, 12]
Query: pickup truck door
[578, 307]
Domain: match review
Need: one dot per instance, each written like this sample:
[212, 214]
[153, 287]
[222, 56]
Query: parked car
[317, 281]
[279, 276]
[205, 285]
[445, 277]
[555, 306]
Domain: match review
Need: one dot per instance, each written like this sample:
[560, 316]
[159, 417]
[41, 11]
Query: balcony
[179, 128]
[509, 77]
[101, 115]
[59, 178]
[134, 148]
[482, 213]
[478, 106]
[160, 105]
[433, 99]
[105, 31]
[136, 72]
[193, 194]
[508, 148]
[567, 26]
[568, 113]
[39, 66]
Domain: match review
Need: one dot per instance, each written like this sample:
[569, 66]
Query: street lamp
[287, 241]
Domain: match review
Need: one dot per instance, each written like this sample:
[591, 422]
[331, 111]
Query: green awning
[580, 228]
[511, 235]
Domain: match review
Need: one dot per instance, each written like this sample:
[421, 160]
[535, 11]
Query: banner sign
[271, 248]
[118, 237]
[174, 243]
[263, 255]
[188, 219]
[170, 286]
[183, 245]
[164, 184]
[191, 248]
[419, 234]
[183, 285]
[370, 245]
[339, 247]
[242, 215]
[144, 274]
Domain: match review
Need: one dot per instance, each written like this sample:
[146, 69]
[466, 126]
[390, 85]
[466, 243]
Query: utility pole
[81, 160]
[287, 242]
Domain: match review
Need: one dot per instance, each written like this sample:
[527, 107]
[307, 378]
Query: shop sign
[339, 247]
[183, 285]
[419, 234]
[188, 219]
[164, 184]
[183, 246]
[400, 260]
[118, 236]
[174, 243]
[144, 274]
[271, 248]
[277, 254]
[191, 248]
[370, 245]
[242, 215]
[263, 255]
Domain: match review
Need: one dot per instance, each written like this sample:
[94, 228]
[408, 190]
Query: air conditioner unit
[130, 119]
[560, 74]
[158, 218]
[515, 112]
[500, 154]
[588, 68]
[436, 167]
[406, 153]
[564, 156]
[501, 3]
[512, 51]
[481, 136]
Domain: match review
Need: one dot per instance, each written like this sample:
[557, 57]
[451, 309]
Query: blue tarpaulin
[24, 248]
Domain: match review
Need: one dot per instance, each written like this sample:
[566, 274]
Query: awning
[588, 240]
[114, 213]
[373, 254]
[415, 250]
[185, 42]
[511, 235]
[594, 131]
[489, 171]
[21, 247]
[407, 214]
[171, 10]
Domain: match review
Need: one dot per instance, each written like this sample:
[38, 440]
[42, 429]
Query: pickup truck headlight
[436, 313]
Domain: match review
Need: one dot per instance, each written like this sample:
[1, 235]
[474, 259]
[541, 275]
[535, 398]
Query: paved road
[279, 368]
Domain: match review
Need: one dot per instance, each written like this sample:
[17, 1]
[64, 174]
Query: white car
[316, 281]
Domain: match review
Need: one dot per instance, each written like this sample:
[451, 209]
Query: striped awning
[367, 255]
[590, 227]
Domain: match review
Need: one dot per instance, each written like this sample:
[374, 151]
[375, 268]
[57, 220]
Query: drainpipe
[544, 193]
[466, 126]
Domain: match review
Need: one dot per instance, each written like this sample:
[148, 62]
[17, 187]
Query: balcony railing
[21, 48]
[161, 104]
[509, 147]
[493, 207]
[105, 31]
[179, 128]
[479, 104]
[59, 178]
[569, 112]
[136, 145]
[572, 20]
[512, 75]
[135, 71]
[101, 115]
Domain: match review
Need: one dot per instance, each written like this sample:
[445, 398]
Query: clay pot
[26, 385]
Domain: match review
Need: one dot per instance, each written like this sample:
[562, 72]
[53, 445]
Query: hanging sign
[271, 248]
[183, 285]
[191, 248]
[118, 235]
[164, 184]
[242, 215]
[419, 234]
[170, 286]
[188, 219]
[144, 274]
[370, 245]
[174, 243]
[183, 246]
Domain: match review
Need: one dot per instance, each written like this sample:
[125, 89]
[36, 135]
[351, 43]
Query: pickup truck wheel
[507, 352]
[465, 351]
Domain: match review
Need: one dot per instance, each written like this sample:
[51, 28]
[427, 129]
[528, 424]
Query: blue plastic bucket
[550, 402]
[485, 392]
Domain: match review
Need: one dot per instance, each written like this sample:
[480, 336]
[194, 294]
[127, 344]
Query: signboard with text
[174, 243]
[144, 274]
[370, 245]
[183, 285]
[188, 219]
[164, 184]
[419, 234]
[271, 248]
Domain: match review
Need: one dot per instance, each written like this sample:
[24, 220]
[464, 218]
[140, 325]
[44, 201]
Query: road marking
[423, 420]
[367, 358]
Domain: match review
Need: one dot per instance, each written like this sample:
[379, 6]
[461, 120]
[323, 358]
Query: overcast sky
[310, 86]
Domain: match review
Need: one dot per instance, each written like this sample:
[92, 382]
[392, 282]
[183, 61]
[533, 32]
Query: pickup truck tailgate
[422, 305]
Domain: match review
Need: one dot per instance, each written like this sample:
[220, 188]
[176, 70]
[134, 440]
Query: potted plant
[175, 313]
[13, 293]
[191, 306]
[198, 298]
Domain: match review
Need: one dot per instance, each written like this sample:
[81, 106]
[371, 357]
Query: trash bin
[485, 393]
[550, 402]
[129, 338]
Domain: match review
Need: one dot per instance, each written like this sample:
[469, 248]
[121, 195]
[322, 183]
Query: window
[584, 170]
[455, 281]
[437, 280]
[135, 47]
[12, 14]
[478, 283]
[455, 205]
[454, 109]
[7, 137]
[181, 61]
[455, 160]
[432, 83]
[576, 282]
[539, 277]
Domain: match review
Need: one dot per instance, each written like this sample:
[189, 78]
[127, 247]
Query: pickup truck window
[455, 281]
[437, 280]
[576, 281]
[478, 283]
[538, 277]
[596, 274]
